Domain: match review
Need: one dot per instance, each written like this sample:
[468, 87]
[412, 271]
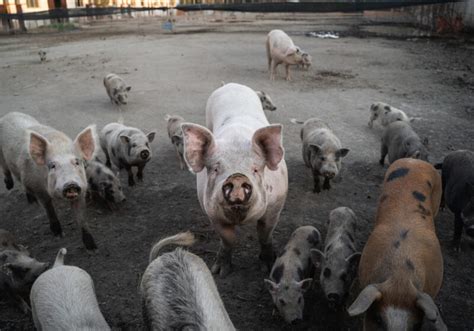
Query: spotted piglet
[338, 263]
[126, 147]
[103, 183]
[288, 278]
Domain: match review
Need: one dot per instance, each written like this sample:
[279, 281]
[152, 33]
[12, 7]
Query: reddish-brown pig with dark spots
[401, 268]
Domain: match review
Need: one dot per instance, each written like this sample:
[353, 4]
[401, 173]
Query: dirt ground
[175, 73]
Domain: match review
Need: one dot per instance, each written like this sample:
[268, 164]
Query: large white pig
[49, 165]
[241, 173]
[281, 49]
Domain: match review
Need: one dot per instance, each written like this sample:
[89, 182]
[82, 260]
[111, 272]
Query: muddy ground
[175, 73]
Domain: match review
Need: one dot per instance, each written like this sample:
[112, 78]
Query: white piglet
[63, 298]
[291, 274]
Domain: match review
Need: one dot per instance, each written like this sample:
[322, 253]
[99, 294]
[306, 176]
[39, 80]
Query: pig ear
[115, 91]
[128, 88]
[271, 286]
[125, 139]
[176, 139]
[151, 136]
[317, 257]
[315, 148]
[342, 152]
[365, 299]
[353, 261]
[267, 140]
[199, 144]
[426, 142]
[85, 142]
[305, 284]
[38, 148]
[291, 51]
[426, 303]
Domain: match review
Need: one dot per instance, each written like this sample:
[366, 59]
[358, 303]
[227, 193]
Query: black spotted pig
[18, 270]
[281, 49]
[322, 151]
[48, 165]
[42, 55]
[289, 276]
[386, 114]
[458, 191]
[339, 260]
[267, 103]
[399, 141]
[126, 147]
[104, 183]
[176, 135]
[116, 89]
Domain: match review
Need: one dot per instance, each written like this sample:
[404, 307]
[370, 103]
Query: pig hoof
[8, 183]
[30, 198]
[381, 162]
[317, 190]
[131, 182]
[326, 185]
[456, 246]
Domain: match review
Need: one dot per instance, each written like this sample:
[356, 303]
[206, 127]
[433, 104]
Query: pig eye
[76, 162]
[343, 277]
[134, 145]
[147, 145]
[282, 302]
[327, 272]
[322, 158]
[51, 165]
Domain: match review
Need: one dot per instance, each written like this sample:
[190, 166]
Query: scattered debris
[323, 35]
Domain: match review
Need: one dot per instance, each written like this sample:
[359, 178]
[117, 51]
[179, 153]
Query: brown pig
[401, 267]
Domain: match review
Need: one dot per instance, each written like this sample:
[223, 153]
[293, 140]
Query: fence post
[21, 21]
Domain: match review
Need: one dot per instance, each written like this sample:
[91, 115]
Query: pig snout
[144, 154]
[71, 191]
[329, 174]
[334, 299]
[237, 189]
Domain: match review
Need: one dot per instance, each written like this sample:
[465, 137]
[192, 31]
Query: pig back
[234, 105]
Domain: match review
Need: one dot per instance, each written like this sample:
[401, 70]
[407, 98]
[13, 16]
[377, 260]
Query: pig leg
[8, 180]
[78, 207]
[273, 69]
[30, 197]
[287, 68]
[458, 225]
[54, 224]
[265, 227]
[140, 173]
[269, 57]
[383, 153]
[180, 158]
[326, 184]
[131, 181]
[317, 185]
[223, 264]
[107, 159]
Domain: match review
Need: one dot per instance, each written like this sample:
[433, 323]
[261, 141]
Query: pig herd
[241, 179]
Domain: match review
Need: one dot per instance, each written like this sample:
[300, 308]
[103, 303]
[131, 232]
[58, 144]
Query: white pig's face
[66, 176]
[137, 147]
[326, 162]
[235, 168]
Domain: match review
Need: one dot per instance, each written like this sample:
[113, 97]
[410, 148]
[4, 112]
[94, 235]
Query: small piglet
[42, 55]
[386, 114]
[399, 141]
[458, 191]
[18, 270]
[267, 103]
[63, 298]
[322, 151]
[289, 276]
[104, 184]
[116, 89]
[281, 49]
[126, 147]
[178, 291]
[176, 135]
[338, 263]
